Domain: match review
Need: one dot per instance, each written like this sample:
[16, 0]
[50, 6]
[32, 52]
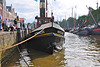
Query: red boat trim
[96, 30]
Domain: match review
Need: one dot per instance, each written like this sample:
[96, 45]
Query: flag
[36, 0]
[85, 21]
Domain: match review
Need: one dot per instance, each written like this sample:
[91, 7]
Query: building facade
[7, 12]
[0, 10]
[3, 12]
[11, 14]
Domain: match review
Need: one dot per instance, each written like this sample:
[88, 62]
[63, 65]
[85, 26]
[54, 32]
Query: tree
[70, 21]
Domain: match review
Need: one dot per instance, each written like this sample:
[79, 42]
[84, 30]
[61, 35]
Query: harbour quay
[8, 39]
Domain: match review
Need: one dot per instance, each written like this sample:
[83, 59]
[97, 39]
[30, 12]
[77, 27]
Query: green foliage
[63, 23]
[80, 19]
[89, 18]
[70, 21]
[67, 23]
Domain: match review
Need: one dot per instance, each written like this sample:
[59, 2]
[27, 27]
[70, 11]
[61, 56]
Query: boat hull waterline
[51, 39]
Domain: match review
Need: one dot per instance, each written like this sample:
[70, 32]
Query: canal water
[78, 51]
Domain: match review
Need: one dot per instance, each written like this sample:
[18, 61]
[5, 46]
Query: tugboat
[51, 39]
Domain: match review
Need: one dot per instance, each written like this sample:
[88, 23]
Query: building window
[7, 15]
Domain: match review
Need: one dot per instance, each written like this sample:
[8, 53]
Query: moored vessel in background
[96, 27]
[95, 30]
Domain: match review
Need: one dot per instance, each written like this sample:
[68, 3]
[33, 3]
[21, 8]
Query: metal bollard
[25, 30]
[18, 32]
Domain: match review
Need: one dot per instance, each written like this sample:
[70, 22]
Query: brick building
[6, 11]
[11, 14]
[3, 4]
[0, 9]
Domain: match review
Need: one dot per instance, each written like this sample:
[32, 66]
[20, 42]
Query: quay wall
[8, 39]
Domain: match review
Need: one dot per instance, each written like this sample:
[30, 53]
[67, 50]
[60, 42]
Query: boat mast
[75, 18]
[46, 8]
[91, 15]
[72, 12]
[97, 13]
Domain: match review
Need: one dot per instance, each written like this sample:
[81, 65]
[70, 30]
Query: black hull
[49, 40]
[49, 44]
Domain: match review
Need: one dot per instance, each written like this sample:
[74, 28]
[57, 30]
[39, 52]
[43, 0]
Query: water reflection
[82, 51]
[79, 51]
[45, 60]
[37, 59]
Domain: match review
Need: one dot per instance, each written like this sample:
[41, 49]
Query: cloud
[27, 9]
[61, 8]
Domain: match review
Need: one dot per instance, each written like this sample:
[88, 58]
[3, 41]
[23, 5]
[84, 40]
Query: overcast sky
[28, 9]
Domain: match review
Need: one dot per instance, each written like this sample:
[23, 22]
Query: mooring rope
[22, 41]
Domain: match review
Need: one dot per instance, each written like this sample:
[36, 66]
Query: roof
[48, 25]
[0, 6]
[8, 8]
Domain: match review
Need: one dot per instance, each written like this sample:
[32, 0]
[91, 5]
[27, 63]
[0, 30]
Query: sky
[62, 9]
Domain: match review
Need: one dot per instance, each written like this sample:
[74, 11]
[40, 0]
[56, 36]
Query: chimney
[42, 8]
